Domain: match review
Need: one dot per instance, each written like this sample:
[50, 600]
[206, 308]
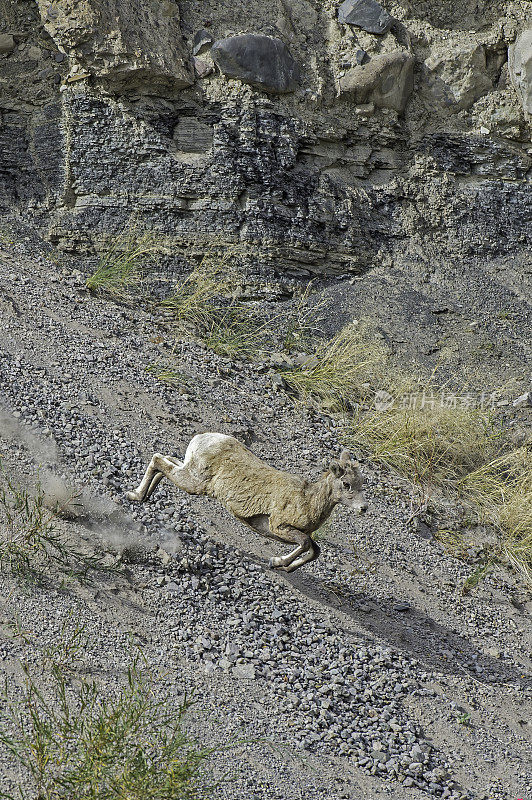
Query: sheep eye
[346, 485]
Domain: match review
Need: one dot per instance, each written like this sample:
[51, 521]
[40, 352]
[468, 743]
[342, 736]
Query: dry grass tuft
[432, 444]
[337, 373]
[501, 491]
[434, 441]
[207, 305]
[121, 266]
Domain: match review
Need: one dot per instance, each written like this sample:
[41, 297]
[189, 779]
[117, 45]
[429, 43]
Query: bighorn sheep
[273, 503]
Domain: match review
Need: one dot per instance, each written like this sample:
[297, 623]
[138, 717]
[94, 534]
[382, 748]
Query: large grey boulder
[262, 61]
[121, 41]
[387, 81]
[520, 58]
[457, 74]
[366, 14]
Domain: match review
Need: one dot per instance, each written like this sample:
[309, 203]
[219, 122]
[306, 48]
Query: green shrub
[30, 540]
[74, 741]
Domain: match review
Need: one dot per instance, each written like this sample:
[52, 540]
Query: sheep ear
[345, 457]
[336, 469]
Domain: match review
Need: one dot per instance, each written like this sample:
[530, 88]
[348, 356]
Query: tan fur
[271, 502]
[248, 486]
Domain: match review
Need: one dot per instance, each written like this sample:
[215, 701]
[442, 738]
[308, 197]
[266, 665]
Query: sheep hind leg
[157, 478]
[155, 481]
[139, 493]
[160, 467]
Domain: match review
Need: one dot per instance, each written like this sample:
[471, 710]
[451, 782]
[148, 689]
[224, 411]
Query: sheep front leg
[163, 467]
[310, 555]
[306, 550]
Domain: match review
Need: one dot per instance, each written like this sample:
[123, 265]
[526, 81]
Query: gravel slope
[353, 672]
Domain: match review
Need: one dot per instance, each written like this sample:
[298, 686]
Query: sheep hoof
[133, 496]
[272, 563]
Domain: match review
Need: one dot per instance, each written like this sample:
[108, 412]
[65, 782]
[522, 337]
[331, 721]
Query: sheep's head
[348, 483]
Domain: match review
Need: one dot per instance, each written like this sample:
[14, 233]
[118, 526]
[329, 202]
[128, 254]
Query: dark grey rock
[361, 57]
[423, 530]
[366, 14]
[202, 40]
[278, 382]
[262, 61]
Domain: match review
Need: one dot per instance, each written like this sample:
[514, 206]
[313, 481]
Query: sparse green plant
[68, 649]
[18, 631]
[82, 741]
[465, 719]
[168, 374]
[28, 528]
[323, 532]
[30, 539]
[6, 234]
[121, 265]
[303, 321]
[7, 12]
[238, 333]
[452, 541]
[197, 297]
[478, 575]
[205, 305]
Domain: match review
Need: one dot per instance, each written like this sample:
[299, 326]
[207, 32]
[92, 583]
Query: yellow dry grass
[415, 430]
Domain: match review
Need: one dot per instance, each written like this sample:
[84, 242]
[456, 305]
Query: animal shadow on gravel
[414, 633]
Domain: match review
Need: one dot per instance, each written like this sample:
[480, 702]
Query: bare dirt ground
[366, 674]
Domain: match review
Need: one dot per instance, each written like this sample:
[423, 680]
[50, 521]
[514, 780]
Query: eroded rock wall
[318, 179]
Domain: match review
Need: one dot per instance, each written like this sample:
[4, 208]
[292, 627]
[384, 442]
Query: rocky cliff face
[341, 148]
